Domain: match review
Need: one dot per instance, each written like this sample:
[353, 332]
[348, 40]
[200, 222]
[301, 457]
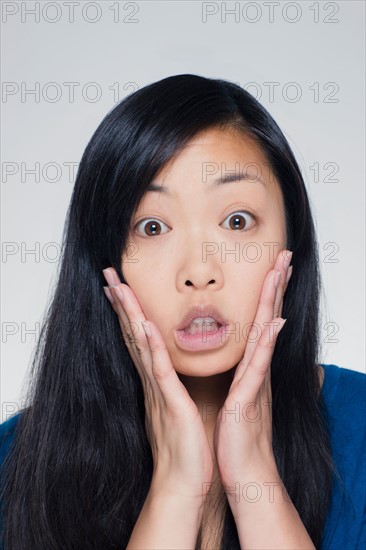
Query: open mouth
[202, 335]
[202, 325]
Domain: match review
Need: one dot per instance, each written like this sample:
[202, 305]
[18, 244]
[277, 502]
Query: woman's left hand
[243, 432]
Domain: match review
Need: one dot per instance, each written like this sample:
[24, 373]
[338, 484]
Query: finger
[264, 314]
[285, 259]
[156, 364]
[128, 331]
[153, 353]
[266, 306]
[135, 316]
[260, 362]
[174, 392]
[112, 278]
[135, 337]
[286, 256]
[129, 328]
[108, 294]
[267, 391]
[288, 277]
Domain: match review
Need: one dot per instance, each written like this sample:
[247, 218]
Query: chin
[204, 364]
[200, 373]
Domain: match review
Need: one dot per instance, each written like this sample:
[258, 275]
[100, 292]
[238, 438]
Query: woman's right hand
[183, 464]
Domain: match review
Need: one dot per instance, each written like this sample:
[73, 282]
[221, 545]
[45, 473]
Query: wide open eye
[239, 222]
[153, 227]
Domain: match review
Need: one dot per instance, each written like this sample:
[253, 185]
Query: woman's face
[206, 243]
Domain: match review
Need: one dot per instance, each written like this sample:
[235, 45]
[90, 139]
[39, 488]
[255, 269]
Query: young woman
[182, 412]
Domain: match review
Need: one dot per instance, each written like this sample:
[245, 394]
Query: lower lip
[203, 340]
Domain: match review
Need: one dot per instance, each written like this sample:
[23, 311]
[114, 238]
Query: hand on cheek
[182, 464]
[243, 434]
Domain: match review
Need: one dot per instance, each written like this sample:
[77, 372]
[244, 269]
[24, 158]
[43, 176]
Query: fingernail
[289, 273]
[108, 277]
[119, 292]
[279, 327]
[108, 294]
[146, 328]
[288, 256]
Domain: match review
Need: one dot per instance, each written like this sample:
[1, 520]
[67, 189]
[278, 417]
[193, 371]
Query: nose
[197, 284]
[200, 275]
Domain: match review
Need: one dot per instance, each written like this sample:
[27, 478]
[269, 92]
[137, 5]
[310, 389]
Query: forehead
[226, 139]
[217, 142]
[213, 157]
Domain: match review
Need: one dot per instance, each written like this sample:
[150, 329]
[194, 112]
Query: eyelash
[234, 213]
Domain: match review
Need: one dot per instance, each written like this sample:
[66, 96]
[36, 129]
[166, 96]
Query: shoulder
[8, 426]
[344, 389]
[7, 433]
[344, 393]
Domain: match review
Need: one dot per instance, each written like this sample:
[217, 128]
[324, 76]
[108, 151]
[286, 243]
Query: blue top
[344, 393]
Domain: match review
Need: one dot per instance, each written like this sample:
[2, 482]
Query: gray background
[313, 54]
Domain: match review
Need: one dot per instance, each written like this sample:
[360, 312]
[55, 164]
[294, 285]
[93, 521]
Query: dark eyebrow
[238, 177]
[219, 181]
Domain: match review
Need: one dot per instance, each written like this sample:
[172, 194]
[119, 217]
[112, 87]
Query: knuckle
[281, 284]
[159, 374]
[266, 342]
[157, 347]
[140, 350]
[131, 339]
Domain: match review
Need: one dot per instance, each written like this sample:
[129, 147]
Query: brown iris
[237, 222]
[155, 228]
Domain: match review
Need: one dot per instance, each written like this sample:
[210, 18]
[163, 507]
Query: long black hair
[80, 467]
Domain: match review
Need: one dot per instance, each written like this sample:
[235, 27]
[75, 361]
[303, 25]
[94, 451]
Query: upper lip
[195, 311]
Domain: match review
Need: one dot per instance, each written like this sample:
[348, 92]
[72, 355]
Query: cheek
[148, 288]
[245, 307]
[246, 286]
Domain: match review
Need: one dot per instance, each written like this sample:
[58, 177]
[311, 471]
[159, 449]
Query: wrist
[177, 495]
[248, 470]
[255, 488]
[264, 513]
[168, 519]
[174, 506]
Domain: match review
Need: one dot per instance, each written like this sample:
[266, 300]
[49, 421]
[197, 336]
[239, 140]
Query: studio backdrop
[66, 64]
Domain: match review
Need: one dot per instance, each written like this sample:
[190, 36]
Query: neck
[208, 393]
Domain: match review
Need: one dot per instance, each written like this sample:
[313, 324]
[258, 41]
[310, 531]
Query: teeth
[208, 324]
